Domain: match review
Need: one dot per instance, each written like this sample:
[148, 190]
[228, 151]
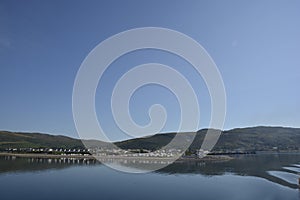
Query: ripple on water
[286, 176]
[296, 165]
[293, 169]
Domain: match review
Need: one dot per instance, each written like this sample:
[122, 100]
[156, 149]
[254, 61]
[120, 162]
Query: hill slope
[40, 140]
[36, 140]
[254, 138]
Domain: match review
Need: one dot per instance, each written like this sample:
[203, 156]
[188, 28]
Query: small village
[100, 152]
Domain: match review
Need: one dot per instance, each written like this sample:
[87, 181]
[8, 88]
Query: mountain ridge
[258, 138]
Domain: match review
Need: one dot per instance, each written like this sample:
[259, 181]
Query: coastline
[116, 157]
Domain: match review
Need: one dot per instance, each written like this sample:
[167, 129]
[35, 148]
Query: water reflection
[250, 165]
[282, 169]
[16, 164]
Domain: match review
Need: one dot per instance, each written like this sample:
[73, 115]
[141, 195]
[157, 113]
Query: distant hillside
[254, 138]
[36, 140]
[260, 138]
[40, 140]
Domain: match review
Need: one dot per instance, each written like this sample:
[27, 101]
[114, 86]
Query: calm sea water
[272, 176]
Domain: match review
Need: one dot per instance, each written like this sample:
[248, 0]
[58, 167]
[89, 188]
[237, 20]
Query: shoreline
[90, 157]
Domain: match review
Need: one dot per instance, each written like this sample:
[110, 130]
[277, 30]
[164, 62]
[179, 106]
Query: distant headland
[235, 141]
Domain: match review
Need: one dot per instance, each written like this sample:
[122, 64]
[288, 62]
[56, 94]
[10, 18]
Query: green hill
[36, 140]
[254, 138]
[260, 138]
[246, 139]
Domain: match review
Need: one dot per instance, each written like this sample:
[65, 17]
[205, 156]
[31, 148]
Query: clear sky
[255, 44]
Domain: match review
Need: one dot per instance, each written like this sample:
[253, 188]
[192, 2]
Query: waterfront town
[163, 153]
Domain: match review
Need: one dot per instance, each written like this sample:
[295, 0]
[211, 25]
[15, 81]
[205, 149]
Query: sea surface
[248, 177]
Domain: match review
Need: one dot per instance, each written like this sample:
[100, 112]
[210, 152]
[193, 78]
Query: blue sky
[255, 44]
